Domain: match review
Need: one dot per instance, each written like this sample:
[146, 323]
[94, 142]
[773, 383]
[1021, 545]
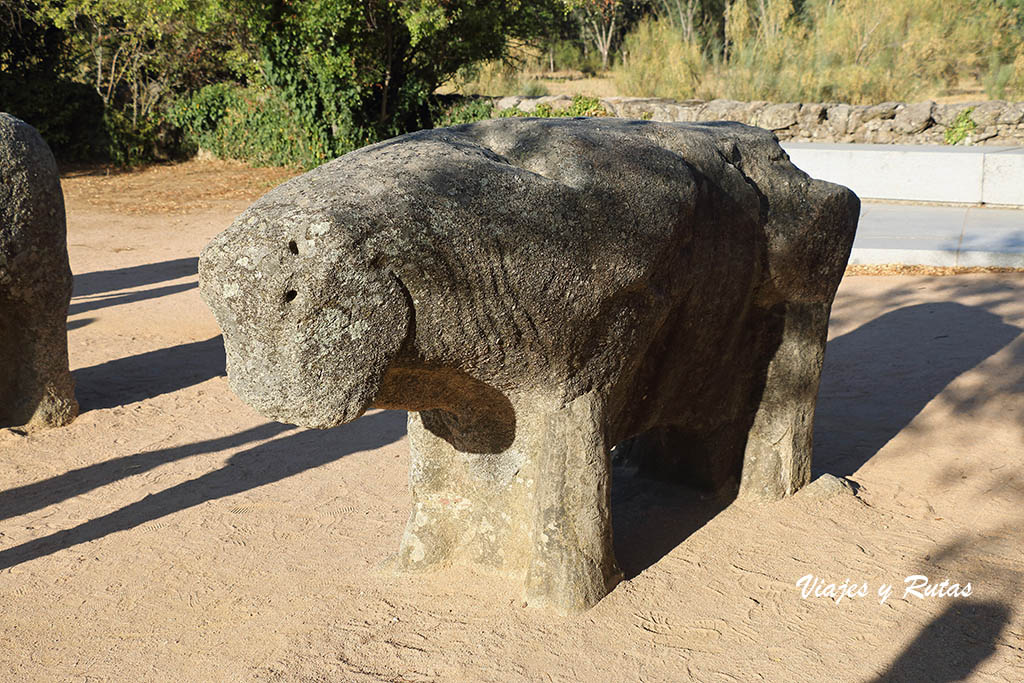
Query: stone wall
[921, 123]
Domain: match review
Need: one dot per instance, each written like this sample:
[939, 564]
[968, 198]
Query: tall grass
[857, 51]
[522, 72]
[657, 62]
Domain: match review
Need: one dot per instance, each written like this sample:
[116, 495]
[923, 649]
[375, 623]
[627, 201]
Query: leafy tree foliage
[358, 71]
[601, 21]
[36, 59]
[302, 81]
[340, 72]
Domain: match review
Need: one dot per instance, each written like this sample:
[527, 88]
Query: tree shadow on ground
[952, 645]
[146, 375]
[967, 633]
[101, 281]
[878, 377]
[246, 470]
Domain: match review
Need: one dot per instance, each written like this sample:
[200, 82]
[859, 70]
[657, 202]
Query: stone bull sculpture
[36, 389]
[535, 292]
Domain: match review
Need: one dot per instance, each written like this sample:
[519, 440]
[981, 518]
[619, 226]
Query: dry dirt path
[170, 533]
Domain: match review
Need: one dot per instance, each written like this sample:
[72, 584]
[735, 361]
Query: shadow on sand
[31, 497]
[249, 469]
[101, 281]
[651, 517]
[878, 377]
[128, 297]
[952, 645]
[143, 376]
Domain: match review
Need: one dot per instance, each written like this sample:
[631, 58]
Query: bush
[68, 115]
[355, 72]
[657, 62]
[963, 125]
[580, 106]
[256, 125]
[465, 111]
[532, 88]
[303, 82]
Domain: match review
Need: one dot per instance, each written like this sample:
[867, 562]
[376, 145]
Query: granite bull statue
[36, 388]
[535, 292]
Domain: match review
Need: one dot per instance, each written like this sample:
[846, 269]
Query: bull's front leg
[538, 511]
[777, 458]
[572, 563]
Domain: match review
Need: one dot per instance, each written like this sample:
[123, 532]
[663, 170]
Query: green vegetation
[269, 81]
[580, 106]
[857, 51]
[962, 126]
[301, 81]
[466, 111]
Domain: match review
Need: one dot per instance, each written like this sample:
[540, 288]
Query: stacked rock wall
[920, 123]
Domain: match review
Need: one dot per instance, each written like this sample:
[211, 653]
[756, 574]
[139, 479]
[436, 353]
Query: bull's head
[309, 324]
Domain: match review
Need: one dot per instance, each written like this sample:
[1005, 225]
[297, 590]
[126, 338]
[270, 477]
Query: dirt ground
[603, 85]
[171, 533]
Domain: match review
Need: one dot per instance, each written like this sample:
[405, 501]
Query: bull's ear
[366, 339]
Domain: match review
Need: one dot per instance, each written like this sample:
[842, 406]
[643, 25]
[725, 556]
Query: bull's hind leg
[539, 511]
[777, 458]
[709, 460]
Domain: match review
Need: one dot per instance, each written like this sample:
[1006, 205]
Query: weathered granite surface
[919, 123]
[36, 389]
[535, 291]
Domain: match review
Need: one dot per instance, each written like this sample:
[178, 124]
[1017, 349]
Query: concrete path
[933, 235]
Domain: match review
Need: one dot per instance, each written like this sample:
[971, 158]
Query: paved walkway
[939, 235]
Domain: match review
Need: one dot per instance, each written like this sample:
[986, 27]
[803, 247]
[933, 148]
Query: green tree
[361, 70]
[37, 63]
[601, 22]
[136, 53]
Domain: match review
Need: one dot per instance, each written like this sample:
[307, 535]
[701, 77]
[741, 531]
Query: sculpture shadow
[38, 495]
[101, 281]
[878, 377]
[146, 375]
[952, 645]
[650, 517]
[246, 470]
[128, 297]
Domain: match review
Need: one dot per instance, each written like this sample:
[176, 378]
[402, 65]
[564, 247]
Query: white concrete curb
[922, 173]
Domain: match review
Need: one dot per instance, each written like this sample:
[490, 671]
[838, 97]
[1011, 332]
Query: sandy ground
[171, 533]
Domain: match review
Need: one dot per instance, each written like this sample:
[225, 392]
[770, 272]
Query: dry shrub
[656, 62]
[518, 75]
[857, 51]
